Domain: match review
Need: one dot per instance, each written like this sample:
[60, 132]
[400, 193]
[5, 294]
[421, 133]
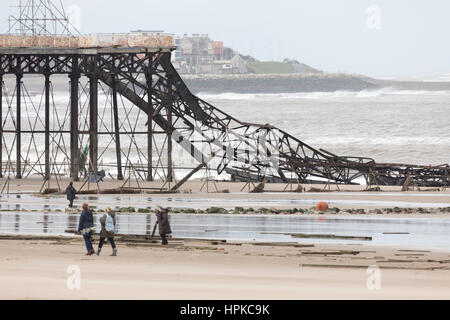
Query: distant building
[198, 54]
[218, 49]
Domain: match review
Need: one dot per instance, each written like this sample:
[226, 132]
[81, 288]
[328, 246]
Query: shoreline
[312, 213]
[309, 240]
[278, 199]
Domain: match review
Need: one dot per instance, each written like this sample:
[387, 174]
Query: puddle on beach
[416, 233]
[43, 218]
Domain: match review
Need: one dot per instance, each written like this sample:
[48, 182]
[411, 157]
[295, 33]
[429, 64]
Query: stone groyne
[291, 83]
[278, 83]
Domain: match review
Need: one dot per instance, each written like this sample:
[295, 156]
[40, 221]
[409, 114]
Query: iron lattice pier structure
[125, 93]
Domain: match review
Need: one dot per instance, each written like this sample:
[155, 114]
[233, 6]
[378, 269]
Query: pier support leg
[116, 128]
[74, 148]
[93, 120]
[1, 124]
[19, 77]
[149, 79]
[47, 126]
[169, 133]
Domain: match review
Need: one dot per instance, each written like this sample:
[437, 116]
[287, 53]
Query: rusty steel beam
[74, 125]
[93, 116]
[37, 43]
[19, 77]
[47, 126]
[116, 128]
[169, 132]
[149, 80]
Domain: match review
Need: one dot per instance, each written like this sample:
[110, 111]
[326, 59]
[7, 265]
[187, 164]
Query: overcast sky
[376, 38]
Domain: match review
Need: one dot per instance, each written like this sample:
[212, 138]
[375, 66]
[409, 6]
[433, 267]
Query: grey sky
[328, 34]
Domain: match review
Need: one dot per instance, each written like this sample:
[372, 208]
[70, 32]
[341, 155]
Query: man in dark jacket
[105, 234]
[86, 227]
[162, 216]
[71, 192]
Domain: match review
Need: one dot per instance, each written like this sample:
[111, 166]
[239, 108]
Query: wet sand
[192, 195]
[34, 184]
[37, 269]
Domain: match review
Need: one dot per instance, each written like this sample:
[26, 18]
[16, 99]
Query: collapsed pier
[145, 99]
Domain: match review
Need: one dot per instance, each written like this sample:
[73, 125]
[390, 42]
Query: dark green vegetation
[275, 67]
[270, 67]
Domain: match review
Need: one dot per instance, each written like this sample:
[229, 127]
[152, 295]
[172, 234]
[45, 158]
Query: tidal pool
[414, 233]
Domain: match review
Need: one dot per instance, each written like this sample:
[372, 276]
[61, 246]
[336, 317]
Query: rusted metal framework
[144, 96]
[124, 94]
[30, 123]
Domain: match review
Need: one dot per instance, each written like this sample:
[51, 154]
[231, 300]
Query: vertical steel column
[74, 128]
[169, 131]
[1, 123]
[149, 79]
[116, 127]
[18, 121]
[47, 123]
[93, 116]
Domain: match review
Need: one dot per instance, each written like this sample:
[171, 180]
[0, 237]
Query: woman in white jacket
[108, 222]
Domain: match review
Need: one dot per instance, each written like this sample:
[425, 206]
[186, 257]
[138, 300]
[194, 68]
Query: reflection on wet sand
[72, 222]
[426, 233]
[17, 223]
[46, 222]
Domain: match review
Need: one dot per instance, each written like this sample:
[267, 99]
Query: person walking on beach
[108, 222]
[86, 227]
[162, 216]
[71, 192]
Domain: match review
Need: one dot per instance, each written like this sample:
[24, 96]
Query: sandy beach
[37, 269]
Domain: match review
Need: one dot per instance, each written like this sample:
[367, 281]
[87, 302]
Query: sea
[388, 125]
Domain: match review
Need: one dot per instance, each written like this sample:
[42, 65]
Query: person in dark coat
[86, 227]
[162, 216]
[105, 234]
[71, 192]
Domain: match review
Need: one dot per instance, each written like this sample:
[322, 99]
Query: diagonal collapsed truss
[259, 152]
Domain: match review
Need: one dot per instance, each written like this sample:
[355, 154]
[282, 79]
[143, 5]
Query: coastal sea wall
[266, 83]
[292, 83]
[278, 83]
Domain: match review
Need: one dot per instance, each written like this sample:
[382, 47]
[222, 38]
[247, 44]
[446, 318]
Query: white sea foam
[386, 140]
[322, 95]
[439, 78]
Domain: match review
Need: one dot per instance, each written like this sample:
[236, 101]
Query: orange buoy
[322, 206]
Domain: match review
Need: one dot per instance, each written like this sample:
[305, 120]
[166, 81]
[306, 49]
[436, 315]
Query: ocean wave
[62, 99]
[322, 95]
[396, 141]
